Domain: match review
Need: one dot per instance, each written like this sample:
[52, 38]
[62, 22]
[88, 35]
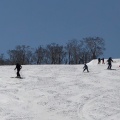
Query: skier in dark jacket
[18, 67]
[85, 68]
[109, 63]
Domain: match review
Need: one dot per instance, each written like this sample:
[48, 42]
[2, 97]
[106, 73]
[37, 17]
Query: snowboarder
[99, 60]
[102, 61]
[85, 68]
[109, 63]
[18, 67]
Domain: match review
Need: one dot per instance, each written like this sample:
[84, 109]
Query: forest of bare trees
[74, 52]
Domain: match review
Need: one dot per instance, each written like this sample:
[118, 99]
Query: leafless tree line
[74, 52]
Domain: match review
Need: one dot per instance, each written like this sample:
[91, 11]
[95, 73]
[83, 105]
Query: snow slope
[60, 92]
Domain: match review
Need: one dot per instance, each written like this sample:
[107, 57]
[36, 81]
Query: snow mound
[95, 62]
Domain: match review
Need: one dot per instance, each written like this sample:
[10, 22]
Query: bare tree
[2, 59]
[40, 55]
[55, 53]
[74, 49]
[95, 46]
[21, 54]
[75, 52]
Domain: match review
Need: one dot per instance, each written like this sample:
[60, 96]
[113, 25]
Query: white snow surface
[60, 92]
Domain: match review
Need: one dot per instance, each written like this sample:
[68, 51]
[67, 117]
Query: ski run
[60, 92]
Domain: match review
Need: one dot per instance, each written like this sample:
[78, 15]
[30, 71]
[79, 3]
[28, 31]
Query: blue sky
[41, 22]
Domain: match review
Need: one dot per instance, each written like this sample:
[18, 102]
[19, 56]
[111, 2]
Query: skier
[18, 67]
[85, 68]
[99, 60]
[109, 63]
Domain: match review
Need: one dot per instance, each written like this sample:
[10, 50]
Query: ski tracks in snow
[59, 92]
[104, 104]
[101, 107]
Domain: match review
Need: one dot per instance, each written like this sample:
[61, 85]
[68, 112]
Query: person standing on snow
[109, 63]
[18, 67]
[102, 61]
[99, 60]
[85, 68]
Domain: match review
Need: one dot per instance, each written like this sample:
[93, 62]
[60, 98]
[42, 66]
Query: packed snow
[60, 92]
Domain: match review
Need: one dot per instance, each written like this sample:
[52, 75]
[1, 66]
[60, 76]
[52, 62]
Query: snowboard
[111, 69]
[18, 77]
